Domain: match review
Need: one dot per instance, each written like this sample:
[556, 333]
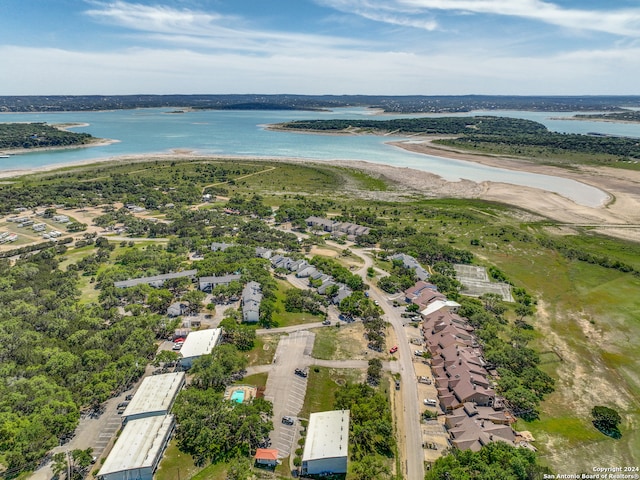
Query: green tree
[374, 371]
[239, 469]
[371, 467]
[606, 420]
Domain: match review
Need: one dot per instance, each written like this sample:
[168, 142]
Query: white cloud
[624, 22]
[357, 72]
[205, 30]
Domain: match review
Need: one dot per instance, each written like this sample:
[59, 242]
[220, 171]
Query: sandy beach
[620, 217]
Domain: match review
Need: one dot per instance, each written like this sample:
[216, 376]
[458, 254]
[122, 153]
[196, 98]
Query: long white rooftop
[327, 435]
[155, 394]
[438, 305]
[139, 444]
[200, 342]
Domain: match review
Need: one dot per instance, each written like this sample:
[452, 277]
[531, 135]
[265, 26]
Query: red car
[394, 349]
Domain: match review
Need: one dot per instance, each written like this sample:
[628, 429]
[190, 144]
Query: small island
[15, 137]
[626, 116]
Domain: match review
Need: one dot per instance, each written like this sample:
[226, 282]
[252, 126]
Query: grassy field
[588, 314]
[342, 343]
[263, 350]
[322, 385]
[257, 380]
[282, 318]
[176, 464]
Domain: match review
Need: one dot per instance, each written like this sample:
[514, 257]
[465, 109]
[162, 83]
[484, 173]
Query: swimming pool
[238, 396]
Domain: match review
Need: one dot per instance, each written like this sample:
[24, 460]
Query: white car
[430, 402]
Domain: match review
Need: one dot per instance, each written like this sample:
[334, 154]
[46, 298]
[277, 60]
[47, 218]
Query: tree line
[38, 135]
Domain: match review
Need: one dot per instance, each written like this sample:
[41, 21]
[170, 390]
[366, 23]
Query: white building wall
[323, 465]
[132, 474]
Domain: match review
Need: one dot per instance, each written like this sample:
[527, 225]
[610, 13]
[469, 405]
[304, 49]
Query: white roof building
[326, 446]
[199, 343]
[438, 305]
[155, 396]
[138, 450]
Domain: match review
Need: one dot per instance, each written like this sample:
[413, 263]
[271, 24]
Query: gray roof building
[251, 299]
[209, 283]
[156, 280]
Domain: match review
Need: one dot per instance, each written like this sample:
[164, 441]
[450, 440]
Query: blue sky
[394, 47]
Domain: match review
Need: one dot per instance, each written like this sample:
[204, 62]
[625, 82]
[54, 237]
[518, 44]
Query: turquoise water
[241, 133]
[237, 396]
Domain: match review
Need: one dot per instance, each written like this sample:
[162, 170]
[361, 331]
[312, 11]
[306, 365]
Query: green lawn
[263, 350]
[257, 380]
[282, 318]
[321, 387]
[175, 464]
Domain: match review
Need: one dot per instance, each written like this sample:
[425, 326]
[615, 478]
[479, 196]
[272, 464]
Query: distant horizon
[524, 95]
[452, 47]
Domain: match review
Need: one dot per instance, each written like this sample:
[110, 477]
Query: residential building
[266, 457]
[156, 280]
[220, 246]
[176, 309]
[251, 299]
[138, 450]
[327, 443]
[409, 262]
[197, 344]
[207, 284]
[155, 396]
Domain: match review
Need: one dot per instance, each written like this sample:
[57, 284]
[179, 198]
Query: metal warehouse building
[325, 450]
[197, 344]
[155, 396]
[139, 449]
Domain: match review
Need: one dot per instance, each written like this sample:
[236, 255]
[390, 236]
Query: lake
[241, 133]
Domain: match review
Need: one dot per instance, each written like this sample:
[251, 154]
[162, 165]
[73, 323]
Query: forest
[38, 135]
[388, 103]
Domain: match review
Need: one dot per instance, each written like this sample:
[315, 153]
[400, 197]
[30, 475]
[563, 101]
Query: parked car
[288, 420]
[397, 384]
[376, 302]
[326, 322]
[300, 372]
[176, 346]
[418, 353]
[393, 349]
[430, 402]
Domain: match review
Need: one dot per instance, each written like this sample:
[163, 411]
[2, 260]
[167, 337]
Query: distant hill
[395, 104]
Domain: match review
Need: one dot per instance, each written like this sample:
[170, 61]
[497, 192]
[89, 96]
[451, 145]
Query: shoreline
[100, 142]
[619, 218]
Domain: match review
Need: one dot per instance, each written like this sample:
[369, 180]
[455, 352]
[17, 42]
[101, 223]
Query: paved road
[413, 457]
[285, 389]
[292, 328]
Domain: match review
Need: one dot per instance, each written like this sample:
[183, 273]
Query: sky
[373, 47]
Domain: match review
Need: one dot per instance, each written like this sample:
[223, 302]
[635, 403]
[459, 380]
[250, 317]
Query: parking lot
[435, 438]
[285, 389]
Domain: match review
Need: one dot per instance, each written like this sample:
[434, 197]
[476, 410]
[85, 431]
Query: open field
[321, 387]
[282, 318]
